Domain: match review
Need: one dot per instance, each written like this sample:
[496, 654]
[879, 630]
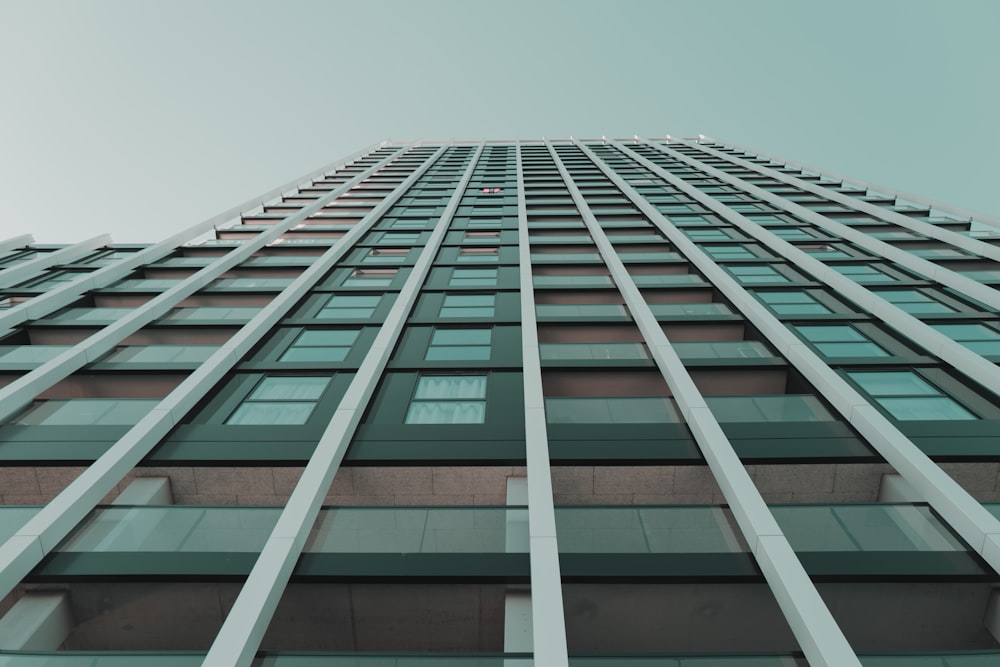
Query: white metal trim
[811, 622]
[548, 619]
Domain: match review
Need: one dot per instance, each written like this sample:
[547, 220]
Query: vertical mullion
[548, 619]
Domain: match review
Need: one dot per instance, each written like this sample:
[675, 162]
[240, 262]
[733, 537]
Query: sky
[141, 118]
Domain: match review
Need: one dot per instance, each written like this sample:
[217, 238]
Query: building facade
[636, 403]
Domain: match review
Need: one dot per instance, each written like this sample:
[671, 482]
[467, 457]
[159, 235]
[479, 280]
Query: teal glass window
[707, 235]
[50, 279]
[616, 410]
[757, 274]
[908, 397]
[280, 400]
[162, 354]
[448, 399]
[864, 274]
[724, 252]
[409, 223]
[841, 340]
[792, 234]
[823, 252]
[478, 254]
[349, 306]
[321, 345]
[473, 278]
[399, 238]
[87, 412]
[386, 256]
[459, 345]
[792, 303]
[370, 278]
[913, 302]
[468, 305]
[207, 313]
[977, 337]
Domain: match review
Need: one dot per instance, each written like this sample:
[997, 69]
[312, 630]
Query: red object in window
[486, 190]
[496, 189]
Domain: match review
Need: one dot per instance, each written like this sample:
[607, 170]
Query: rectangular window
[724, 252]
[399, 238]
[459, 345]
[482, 236]
[841, 340]
[370, 278]
[757, 274]
[792, 303]
[913, 302]
[707, 235]
[448, 399]
[321, 345]
[863, 274]
[473, 278]
[386, 256]
[823, 252]
[468, 305]
[478, 254]
[409, 223]
[792, 234]
[87, 412]
[977, 337]
[908, 397]
[349, 306]
[280, 400]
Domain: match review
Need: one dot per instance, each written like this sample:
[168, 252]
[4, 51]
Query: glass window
[370, 278]
[321, 345]
[757, 274]
[977, 337]
[386, 256]
[841, 340]
[280, 400]
[468, 305]
[707, 235]
[87, 412]
[478, 254]
[409, 223]
[349, 306]
[160, 354]
[908, 397]
[792, 303]
[724, 252]
[473, 278]
[400, 238]
[448, 399]
[822, 252]
[636, 410]
[459, 344]
[792, 234]
[913, 302]
[863, 273]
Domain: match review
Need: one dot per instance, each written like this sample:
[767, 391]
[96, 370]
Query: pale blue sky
[141, 118]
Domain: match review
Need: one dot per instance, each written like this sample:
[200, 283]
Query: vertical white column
[548, 618]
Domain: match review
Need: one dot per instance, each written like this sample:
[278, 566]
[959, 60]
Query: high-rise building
[630, 403]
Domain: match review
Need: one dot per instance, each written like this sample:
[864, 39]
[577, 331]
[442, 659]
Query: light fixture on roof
[668, 138]
[635, 138]
[604, 140]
